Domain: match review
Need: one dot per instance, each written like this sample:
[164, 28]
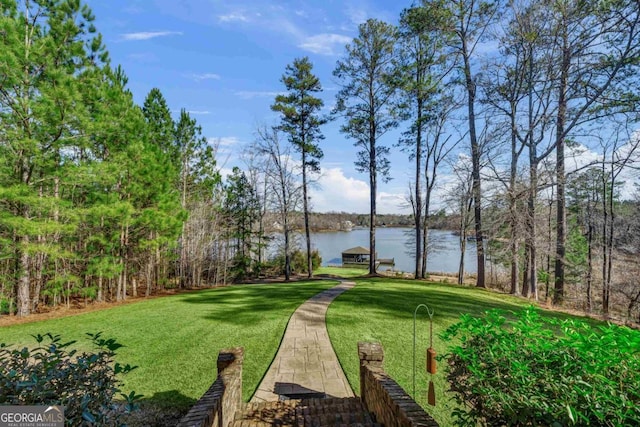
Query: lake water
[444, 254]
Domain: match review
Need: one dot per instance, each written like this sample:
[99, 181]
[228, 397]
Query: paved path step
[306, 365]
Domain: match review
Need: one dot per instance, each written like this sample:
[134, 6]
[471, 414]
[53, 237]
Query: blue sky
[222, 61]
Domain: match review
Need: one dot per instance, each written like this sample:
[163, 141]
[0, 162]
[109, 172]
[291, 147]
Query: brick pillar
[371, 355]
[218, 406]
[230, 371]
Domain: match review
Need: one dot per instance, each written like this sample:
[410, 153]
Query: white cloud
[356, 14]
[288, 23]
[340, 193]
[236, 16]
[358, 11]
[226, 148]
[225, 172]
[146, 35]
[337, 192]
[205, 76]
[392, 203]
[324, 44]
[579, 156]
[198, 112]
[247, 94]
[224, 141]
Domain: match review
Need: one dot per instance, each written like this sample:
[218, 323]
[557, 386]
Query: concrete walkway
[306, 365]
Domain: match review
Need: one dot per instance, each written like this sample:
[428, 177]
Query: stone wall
[384, 397]
[217, 407]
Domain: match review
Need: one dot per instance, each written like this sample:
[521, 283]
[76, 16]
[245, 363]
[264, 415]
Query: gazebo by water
[359, 257]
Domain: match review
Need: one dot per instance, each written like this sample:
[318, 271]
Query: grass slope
[345, 272]
[175, 340]
[382, 310]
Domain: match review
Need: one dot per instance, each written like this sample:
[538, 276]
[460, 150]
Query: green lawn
[175, 340]
[382, 310]
[346, 272]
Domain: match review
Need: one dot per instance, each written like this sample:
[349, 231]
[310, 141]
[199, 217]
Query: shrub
[298, 262]
[52, 374]
[543, 371]
[240, 268]
[5, 305]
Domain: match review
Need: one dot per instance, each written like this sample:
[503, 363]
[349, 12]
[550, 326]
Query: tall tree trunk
[372, 215]
[285, 221]
[513, 213]
[475, 159]
[532, 230]
[533, 187]
[420, 260]
[550, 246]
[182, 270]
[561, 216]
[287, 254]
[463, 241]
[23, 278]
[425, 244]
[149, 268]
[40, 261]
[182, 266]
[159, 272]
[526, 271]
[100, 289]
[608, 189]
[589, 263]
[305, 202]
[119, 286]
[261, 234]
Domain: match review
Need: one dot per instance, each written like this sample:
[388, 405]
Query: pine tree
[242, 209]
[301, 120]
[368, 78]
[422, 70]
[45, 62]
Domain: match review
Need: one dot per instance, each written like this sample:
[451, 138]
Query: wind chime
[431, 364]
[431, 356]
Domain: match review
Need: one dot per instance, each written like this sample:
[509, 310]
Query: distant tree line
[101, 199]
[505, 96]
[524, 88]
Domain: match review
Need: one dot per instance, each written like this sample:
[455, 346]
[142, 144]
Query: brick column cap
[370, 351]
[229, 356]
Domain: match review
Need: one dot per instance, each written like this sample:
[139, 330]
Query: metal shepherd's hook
[415, 314]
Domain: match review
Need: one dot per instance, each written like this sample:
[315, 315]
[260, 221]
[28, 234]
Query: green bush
[86, 384]
[4, 305]
[299, 261]
[240, 268]
[542, 371]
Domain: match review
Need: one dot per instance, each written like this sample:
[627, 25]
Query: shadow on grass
[245, 304]
[399, 298]
[169, 399]
[163, 409]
